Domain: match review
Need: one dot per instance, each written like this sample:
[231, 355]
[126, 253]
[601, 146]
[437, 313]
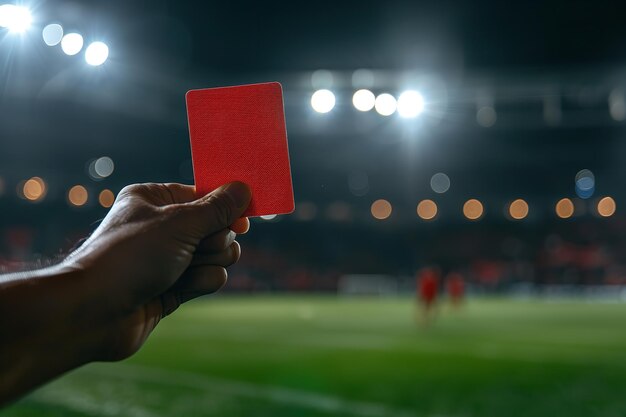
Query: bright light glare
[410, 104]
[97, 53]
[323, 101]
[364, 100]
[385, 104]
[15, 18]
[52, 34]
[72, 43]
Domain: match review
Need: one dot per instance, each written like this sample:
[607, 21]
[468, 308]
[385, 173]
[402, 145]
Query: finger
[225, 258]
[195, 282]
[217, 242]
[217, 210]
[198, 281]
[241, 226]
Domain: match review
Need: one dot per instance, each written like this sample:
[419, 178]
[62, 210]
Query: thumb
[220, 208]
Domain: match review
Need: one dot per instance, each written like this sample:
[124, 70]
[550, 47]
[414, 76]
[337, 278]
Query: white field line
[320, 402]
[85, 403]
[523, 353]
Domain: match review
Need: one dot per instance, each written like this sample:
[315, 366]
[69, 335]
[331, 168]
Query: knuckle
[131, 189]
[173, 210]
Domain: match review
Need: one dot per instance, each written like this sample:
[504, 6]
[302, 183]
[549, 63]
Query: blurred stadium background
[503, 163]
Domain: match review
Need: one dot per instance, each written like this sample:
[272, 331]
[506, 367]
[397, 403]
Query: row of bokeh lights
[409, 104]
[17, 19]
[473, 209]
[35, 189]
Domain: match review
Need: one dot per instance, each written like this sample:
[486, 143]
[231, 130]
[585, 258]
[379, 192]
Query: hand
[158, 247]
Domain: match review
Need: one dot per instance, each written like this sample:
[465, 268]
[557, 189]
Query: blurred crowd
[291, 256]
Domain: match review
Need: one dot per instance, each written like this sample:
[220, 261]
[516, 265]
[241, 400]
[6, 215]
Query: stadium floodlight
[323, 101]
[364, 100]
[52, 34]
[72, 43]
[410, 104]
[97, 53]
[15, 18]
[385, 104]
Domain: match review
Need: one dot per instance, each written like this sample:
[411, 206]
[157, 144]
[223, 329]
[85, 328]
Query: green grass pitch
[362, 357]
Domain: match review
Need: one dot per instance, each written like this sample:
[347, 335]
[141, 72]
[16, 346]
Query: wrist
[50, 331]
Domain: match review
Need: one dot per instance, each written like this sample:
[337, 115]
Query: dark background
[57, 114]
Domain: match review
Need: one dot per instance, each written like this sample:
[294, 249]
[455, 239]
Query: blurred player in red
[427, 287]
[455, 287]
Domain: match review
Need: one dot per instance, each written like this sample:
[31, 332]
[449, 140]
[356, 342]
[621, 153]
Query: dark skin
[159, 246]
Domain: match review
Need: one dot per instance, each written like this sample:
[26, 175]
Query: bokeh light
[473, 209]
[552, 113]
[78, 196]
[585, 183]
[410, 104]
[564, 208]
[96, 53]
[106, 198]
[34, 189]
[305, 211]
[617, 105]
[606, 207]
[440, 183]
[15, 18]
[381, 209]
[486, 116]
[362, 78]
[364, 100]
[322, 79]
[104, 166]
[385, 104]
[52, 34]
[339, 211]
[72, 43]
[427, 209]
[323, 101]
[518, 209]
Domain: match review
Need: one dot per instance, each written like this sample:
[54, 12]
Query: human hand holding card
[238, 134]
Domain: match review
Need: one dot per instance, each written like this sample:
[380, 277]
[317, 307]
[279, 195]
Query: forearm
[47, 327]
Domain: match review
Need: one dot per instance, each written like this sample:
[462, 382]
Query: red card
[238, 134]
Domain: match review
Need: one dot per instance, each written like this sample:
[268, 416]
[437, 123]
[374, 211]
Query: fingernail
[239, 193]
